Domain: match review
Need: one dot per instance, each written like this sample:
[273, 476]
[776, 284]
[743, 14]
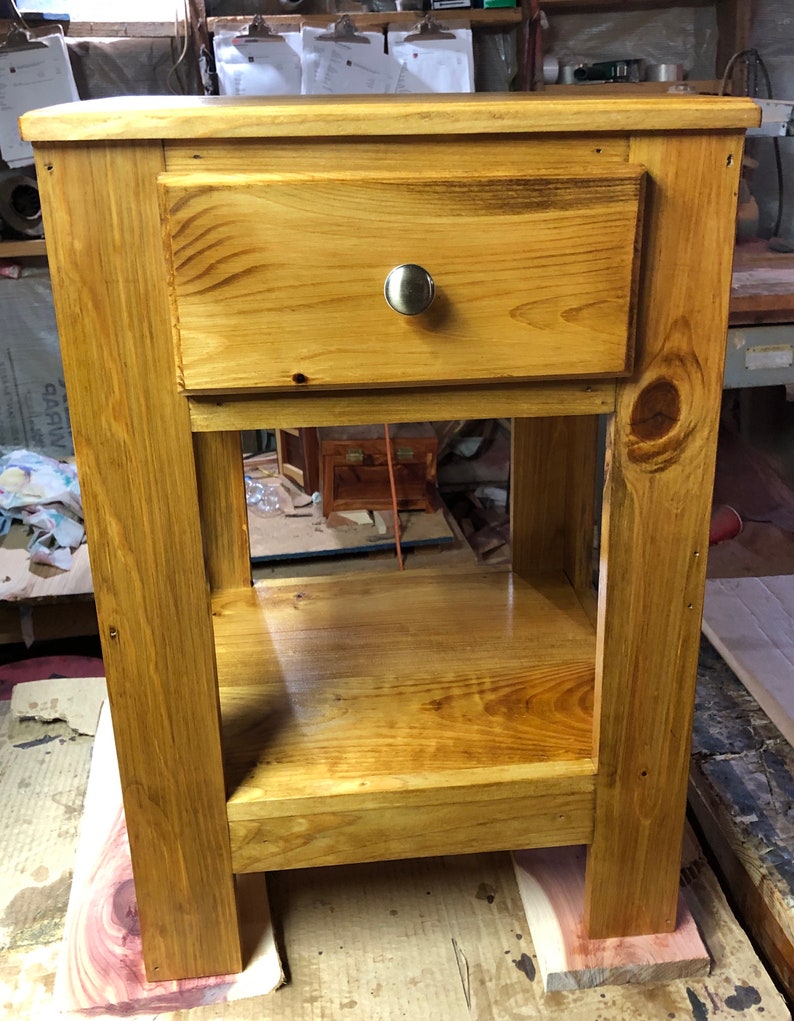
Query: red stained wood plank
[101, 967]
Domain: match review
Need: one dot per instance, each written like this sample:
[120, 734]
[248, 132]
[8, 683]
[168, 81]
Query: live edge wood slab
[217, 263]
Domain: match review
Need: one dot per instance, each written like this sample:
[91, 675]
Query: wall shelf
[497, 18]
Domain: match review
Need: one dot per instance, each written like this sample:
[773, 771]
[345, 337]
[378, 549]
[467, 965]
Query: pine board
[750, 621]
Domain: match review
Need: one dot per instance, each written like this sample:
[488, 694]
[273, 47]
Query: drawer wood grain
[277, 281]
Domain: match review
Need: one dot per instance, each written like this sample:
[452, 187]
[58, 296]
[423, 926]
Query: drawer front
[278, 281]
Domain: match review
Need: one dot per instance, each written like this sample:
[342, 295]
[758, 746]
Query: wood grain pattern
[101, 968]
[434, 743]
[224, 512]
[508, 155]
[449, 646]
[552, 510]
[580, 506]
[166, 117]
[740, 759]
[22, 249]
[661, 450]
[762, 287]
[538, 493]
[461, 820]
[551, 883]
[750, 622]
[556, 301]
[481, 677]
[133, 444]
[304, 407]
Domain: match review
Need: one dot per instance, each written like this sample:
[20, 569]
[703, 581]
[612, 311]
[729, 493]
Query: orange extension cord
[393, 487]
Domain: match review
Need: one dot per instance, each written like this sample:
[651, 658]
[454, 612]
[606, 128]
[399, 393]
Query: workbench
[760, 346]
[219, 265]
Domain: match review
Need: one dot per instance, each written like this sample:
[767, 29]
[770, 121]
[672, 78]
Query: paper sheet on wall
[433, 64]
[31, 78]
[352, 68]
[268, 66]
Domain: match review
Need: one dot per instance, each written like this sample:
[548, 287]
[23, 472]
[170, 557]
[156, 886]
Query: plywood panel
[750, 621]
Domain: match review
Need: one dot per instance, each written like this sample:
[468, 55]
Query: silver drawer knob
[409, 289]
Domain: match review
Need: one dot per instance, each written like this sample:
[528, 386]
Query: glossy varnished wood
[654, 536]
[198, 118]
[512, 155]
[407, 404]
[552, 498]
[255, 313]
[135, 455]
[224, 512]
[455, 711]
[478, 678]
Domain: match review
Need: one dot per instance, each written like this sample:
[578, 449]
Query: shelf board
[593, 6]
[101, 29]
[498, 17]
[701, 87]
[358, 710]
[18, 249]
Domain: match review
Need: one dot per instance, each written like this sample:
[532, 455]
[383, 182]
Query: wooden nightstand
[219, 265]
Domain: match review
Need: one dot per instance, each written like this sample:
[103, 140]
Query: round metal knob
[409, 289]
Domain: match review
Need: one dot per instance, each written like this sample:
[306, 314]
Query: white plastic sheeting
[680, 35]
[33, 408]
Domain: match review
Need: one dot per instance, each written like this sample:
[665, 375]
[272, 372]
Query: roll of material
[664, 73]
[568, 74]
[551, 69]
[20, 206]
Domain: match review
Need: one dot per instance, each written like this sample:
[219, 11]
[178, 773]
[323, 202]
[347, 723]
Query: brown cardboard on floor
[441, 939]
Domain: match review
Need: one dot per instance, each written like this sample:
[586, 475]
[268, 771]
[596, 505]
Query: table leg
[660, 463]
[135, 461]
[224, 512]
[552, 497]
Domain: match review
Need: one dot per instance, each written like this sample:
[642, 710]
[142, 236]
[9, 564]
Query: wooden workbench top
[762, 290]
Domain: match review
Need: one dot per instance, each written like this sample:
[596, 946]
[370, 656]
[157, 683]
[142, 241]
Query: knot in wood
[656, 411]
[655, 425]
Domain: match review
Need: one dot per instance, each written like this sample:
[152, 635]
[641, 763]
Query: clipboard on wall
[433, 57]
[341, 60]
[34, 72]
[259, 62]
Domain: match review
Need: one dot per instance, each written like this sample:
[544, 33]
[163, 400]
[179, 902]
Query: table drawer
[278, 280]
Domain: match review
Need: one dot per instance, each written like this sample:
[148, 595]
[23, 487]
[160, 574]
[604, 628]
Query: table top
[171, 117]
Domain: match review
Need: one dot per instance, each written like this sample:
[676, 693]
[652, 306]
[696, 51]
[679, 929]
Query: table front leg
[135, 461]
[660, 466]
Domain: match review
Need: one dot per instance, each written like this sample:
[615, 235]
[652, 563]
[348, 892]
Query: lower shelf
[374, 716]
